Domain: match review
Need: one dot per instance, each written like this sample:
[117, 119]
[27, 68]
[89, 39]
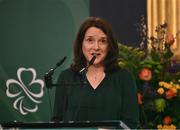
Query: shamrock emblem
[24, 92]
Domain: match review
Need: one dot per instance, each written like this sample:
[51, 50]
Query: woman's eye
[103, 41]
[89, 40]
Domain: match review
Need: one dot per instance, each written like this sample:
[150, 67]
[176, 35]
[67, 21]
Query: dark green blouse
[114, 99]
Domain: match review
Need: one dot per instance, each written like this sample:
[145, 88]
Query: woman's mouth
[95, 54]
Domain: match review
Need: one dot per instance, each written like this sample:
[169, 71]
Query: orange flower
[169, 39]
[167, 120]
[160, 91]
[145, 74]
[170, 94]
[140, 97]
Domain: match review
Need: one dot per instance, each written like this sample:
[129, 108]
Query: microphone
[51, 71]
[48, 75]
[84, 70]
[48, 80]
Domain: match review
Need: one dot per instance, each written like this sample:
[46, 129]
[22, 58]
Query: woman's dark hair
[111, 60]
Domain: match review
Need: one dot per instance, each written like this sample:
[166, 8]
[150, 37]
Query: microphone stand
[49, 82]
[48, 75]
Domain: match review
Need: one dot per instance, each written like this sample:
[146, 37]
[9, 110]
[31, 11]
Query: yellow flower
[160, 91]
[161, 83]
[166, 127]
[159, 126]
[172, 126]
[168, 86]
[177, 86]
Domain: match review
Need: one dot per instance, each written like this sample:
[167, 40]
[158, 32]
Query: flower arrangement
[157, 77]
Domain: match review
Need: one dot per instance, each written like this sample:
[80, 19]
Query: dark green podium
[83, 125]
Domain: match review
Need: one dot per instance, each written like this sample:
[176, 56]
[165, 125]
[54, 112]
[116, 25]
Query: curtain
[161, 11]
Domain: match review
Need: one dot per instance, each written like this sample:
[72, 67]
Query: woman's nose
[96, 45]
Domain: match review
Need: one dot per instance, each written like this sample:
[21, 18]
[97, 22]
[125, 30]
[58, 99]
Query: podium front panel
[87, 125]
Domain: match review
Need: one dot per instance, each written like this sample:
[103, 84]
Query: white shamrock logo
[19, 103]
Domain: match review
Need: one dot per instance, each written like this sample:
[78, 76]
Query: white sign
[24, 88]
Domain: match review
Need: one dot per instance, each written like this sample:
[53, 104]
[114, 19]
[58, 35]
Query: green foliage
[130, 57]
[158, 80]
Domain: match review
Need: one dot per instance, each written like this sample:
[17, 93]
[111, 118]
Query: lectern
[83, 125]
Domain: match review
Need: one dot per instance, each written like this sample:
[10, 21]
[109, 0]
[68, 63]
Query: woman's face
[95, 43]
